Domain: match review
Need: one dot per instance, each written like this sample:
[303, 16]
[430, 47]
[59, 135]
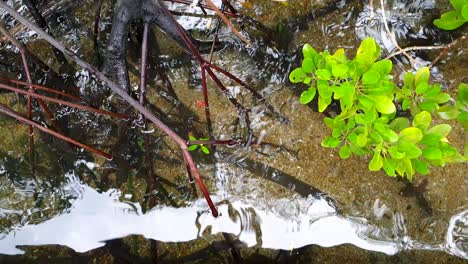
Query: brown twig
[43, 88]
[62, 102]
[227, 22]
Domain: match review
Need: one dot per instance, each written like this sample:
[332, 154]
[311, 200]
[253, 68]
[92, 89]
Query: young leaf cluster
[202, 147]
[456, 18]
[368, 123]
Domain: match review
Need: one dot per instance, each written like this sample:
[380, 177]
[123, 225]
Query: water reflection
[96, 217]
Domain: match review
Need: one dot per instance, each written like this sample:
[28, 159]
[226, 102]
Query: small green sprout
[456, 18]
[193, 147]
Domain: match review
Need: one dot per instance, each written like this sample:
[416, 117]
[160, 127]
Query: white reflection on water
[96, 217]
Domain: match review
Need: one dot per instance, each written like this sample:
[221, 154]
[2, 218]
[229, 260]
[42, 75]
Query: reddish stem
[4, 109]
[43, 88]
[58, 101]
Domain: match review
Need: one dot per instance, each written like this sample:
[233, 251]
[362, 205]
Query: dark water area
[287, 200]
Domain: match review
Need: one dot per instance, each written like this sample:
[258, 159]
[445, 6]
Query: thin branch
[414, 48]
[43, 88]
[119, 91]
[227, 22]
[391, 36]
[188, 2]
[62, 102]
[4, 109]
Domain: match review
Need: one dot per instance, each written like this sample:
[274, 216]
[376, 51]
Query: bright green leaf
[297, 75]
[323, 74]
[345, 152]
[192, 147]
[421, 166]
[442, 130]
[385, 105]
[411, 134]
[330, 142]
[205, 149]
[308, 65]
[370, 77]
[421, 76]
[308, 51]
[307, 96]
[339, 70]
[376, 162]
[432, 153]
[422, 120]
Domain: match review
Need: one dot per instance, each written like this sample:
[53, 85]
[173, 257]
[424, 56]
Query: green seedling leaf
[432, 153]
[411, 135]
[193, 147]
[323, 74]
[384, 105]
[448, 112]
[330, 142]
[399, 123]
[464, 12]
[365, 101]
[408, 81]
[384, 67]
[457, 4]
[421, 166]
[389, 166]
[462, 95]
[395, 153]
[422, 120]
[345, 152]
[323, 103]
[324, 89]
[431, 139]
[370, 77]
[421, 76]
[308, 65]
[308, 52]
[376, 162]
[421, 88]
[389, 135]
[450, 21]
[340, 70]
[411, 150]
[307, 96]
[442, 130]
[361, 140]
[330, 122]
[205, 149]
[297, 75]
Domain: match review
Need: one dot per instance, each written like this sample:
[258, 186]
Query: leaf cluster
[455, 18]
[368, 123]
[193, 147]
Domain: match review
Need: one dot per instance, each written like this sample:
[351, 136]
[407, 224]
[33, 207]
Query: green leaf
[442, 130]
[384, 67]
[395, 153]
[450, 21]
[428, 106]
[368, 49]
[330, 142]
[205, 149]
[340, 70]
[365, 101]
[192, 147]
[297, 75]
[307, 96]
[324, 89]
[361, 140]
[457, 4]
[399, 123]
[421, 88]
[411, 150]
[406, 103]
[411, 134]
[421, 166]
[422, 120]
[384, 105]
[192, 138]
[448, 112]
[432, 153]
[389, 166]
[431, 139]
[409, 80]
[462, 95]
[389, 135]
[370, 77]
[376, 162]
[421, 76]
[345, 152]
[323, 74]
[308, 65]
[308, 52]
[323, 103]
[464, 12]
[330, 122]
